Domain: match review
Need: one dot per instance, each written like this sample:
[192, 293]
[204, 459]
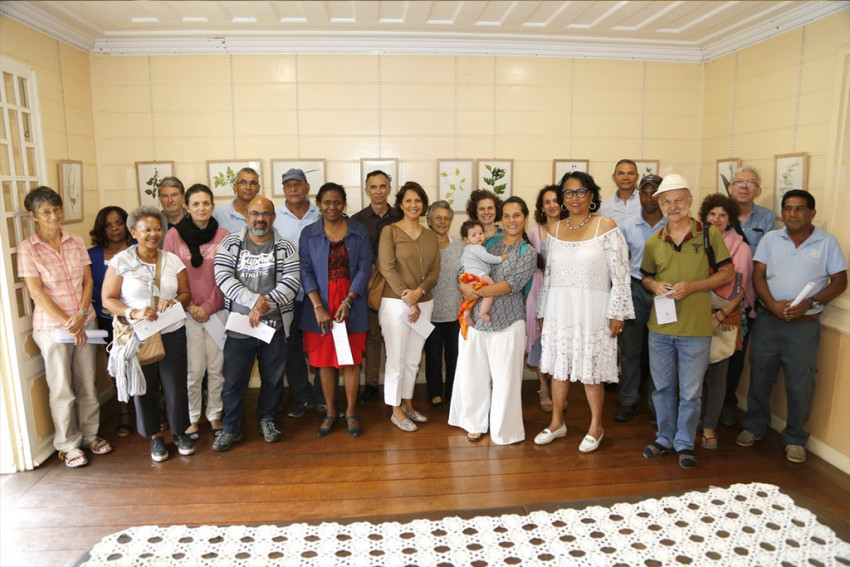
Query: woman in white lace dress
[583, 303]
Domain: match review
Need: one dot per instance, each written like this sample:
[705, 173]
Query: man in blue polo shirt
[624, 203]
[634, 356]
[756, 221]
[788, 335]
[295, 214]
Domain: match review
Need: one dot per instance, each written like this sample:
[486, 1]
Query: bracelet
[346, 302]
[83, 313]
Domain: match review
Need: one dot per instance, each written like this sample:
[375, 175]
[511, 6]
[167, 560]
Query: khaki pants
[70, 374]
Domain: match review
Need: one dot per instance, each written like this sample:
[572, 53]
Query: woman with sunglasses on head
[585, 299]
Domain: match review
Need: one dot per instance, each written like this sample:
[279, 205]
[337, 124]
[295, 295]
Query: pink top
[61, 275]
[205, 293]
[742, 260]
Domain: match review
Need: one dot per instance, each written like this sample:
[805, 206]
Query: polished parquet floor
[52, 515]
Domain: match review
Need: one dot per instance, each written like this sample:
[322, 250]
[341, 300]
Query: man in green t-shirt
[675, 270]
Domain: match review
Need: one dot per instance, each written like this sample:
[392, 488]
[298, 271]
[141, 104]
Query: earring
[564, 208]
[593, 206]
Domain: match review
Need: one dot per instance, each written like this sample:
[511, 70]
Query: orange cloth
[467, 304]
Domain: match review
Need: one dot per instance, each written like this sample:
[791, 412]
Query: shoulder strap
[598, 223]
[712, 263]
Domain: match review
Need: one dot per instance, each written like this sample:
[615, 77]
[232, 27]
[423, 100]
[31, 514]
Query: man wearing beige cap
[677, 271]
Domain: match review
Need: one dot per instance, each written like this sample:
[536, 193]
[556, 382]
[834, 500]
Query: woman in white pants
[488, 378]
[195, 240]
[409, 260]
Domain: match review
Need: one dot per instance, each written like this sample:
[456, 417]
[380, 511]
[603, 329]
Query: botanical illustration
[791, 172]
[71, 189]
[455, 182]
[561, 167]
[725, 172]
[222, 174]
[149, 174]
[648, 167]
[496, 175]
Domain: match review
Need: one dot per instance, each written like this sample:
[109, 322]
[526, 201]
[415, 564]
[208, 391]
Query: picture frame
[387, 165]
[222, 172]
[647, 166]
[495, 175]
[726, 169]
[791, 171]
[148, 176]
[314, 170]
[455, 181]
[561, 167]
[71, 189]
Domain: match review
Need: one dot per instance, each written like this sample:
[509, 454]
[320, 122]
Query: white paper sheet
[804, 293]
[665, 309]
[215, 327]
[173, 314]
[341, 344]
[422, 326]
[240, 324]
[94, 336]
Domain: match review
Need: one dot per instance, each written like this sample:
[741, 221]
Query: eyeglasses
[745, 183]
[257, 214]
[580, 193]
[245, 183]
[54, 211]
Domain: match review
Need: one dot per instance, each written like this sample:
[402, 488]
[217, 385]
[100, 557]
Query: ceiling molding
[619, 42]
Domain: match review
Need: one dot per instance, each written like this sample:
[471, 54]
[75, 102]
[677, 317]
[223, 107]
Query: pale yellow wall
[347, 105]
[43, 54]
[765, 97]
[189, 103]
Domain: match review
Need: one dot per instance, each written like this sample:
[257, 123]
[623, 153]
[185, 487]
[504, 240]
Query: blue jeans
[239, 355]
[793, 346]
[678, 366]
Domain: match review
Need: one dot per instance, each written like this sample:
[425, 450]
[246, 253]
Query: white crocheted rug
[745, 524]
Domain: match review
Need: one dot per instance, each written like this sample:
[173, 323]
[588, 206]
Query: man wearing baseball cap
[295, 214]
[634, 357]
[675, 267]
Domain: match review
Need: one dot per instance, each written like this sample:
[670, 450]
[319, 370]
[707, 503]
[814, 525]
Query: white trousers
[70, 374]
[488, 384]
[404, 349]
[203, 356]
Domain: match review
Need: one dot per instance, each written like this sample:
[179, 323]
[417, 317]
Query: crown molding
[796, 16]
[787, 17]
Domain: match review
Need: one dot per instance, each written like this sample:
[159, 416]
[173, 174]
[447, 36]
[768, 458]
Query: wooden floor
[52, 515]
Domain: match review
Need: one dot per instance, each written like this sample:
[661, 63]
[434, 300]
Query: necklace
[584, 222]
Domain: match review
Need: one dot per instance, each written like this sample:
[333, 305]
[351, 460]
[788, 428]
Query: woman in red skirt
[336, 262]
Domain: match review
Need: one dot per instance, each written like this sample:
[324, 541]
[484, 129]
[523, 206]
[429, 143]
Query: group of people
[630, 290]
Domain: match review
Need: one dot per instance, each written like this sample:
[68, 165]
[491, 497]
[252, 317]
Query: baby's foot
[484, 317]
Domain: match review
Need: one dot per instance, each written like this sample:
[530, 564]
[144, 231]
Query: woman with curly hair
[722, 212]
[486, 208]
[109, 237]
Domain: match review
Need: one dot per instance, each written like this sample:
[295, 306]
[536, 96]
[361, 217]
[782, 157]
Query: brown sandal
[99, 446]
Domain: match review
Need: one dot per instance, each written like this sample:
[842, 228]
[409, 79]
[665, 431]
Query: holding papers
[94, 336]
[173, 314]
[239, 324]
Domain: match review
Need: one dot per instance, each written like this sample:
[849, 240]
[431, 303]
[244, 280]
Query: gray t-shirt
[447, 297]
[255, 268]
[476, 260]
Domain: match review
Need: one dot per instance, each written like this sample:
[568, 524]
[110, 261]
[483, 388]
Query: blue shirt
[615, 208]
[229, 219]
[290, 226]
[637, 231]
[759, 223]
[790, 268]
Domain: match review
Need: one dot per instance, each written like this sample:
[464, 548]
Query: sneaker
[158, 451]
[298, 409]
[270, 431]
[625, 413]
[223, 441]
[795, 453]
[369, 394]
[746, 438]
[185, 445]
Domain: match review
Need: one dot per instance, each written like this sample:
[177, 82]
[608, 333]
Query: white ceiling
[688, 31]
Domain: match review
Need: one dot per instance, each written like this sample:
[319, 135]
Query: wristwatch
[815, 303]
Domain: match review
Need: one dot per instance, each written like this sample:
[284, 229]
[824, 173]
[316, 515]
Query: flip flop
[474, 437]
[99, 446]
[708, 442]
[74, 458]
